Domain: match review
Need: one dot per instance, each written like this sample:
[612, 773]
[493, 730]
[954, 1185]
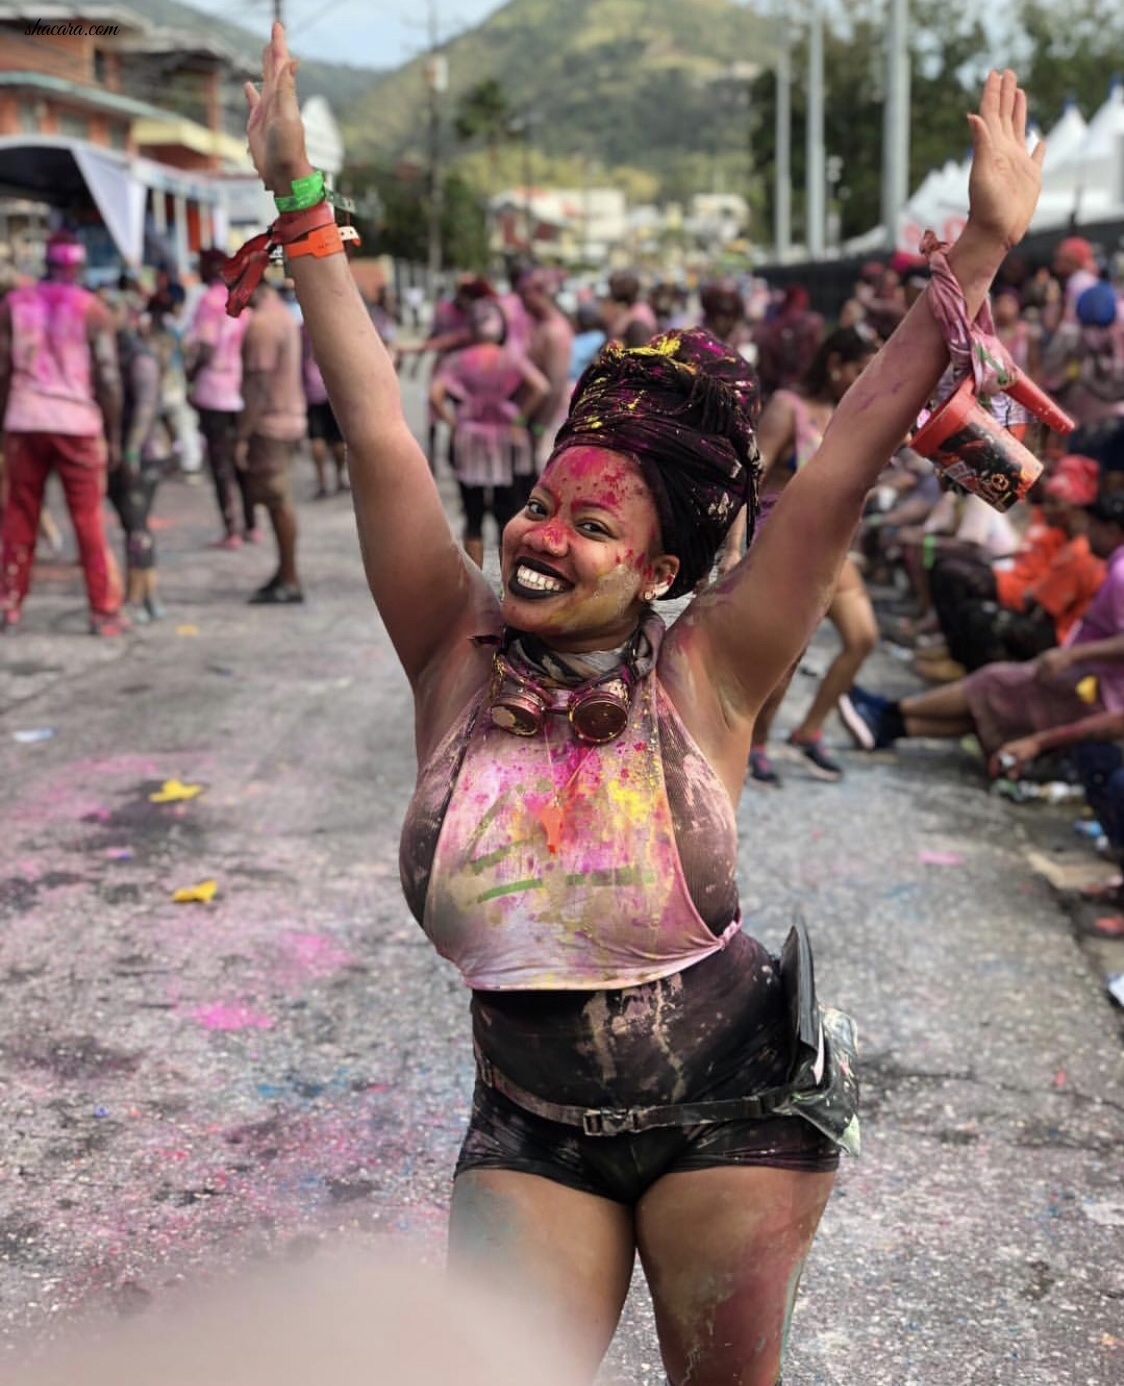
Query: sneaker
[819, 763]
[109, 626]
[9, 622]
[276, 593]
[252, 536]
[228, 541]
[137, 614]
[155, 608]
[761, 767]
[861, 713]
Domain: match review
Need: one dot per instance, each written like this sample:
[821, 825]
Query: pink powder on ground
[221, 1016]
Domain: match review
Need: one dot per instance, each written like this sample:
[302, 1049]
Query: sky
[365, 33]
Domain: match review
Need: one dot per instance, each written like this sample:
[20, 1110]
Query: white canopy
[56, 170]
[1082, 179]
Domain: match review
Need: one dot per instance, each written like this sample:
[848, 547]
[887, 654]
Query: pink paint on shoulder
[236, 1016]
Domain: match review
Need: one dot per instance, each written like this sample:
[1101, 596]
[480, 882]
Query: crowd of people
[115, 389]
[651, 1081]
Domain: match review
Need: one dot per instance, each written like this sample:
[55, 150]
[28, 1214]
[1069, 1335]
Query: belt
[618, 1121]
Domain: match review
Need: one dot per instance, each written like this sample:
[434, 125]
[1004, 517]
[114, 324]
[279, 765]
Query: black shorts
[504, 1136]
[219, 425]
[322, 423]
[505, 503]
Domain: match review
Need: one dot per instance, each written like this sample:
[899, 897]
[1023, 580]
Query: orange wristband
[325, 240]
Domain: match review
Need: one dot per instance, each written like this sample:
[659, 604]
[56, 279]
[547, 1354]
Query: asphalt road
[185, 1087]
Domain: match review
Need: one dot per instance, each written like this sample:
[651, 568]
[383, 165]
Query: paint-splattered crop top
[558, 865]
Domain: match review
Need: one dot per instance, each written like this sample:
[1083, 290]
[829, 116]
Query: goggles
[597, 710]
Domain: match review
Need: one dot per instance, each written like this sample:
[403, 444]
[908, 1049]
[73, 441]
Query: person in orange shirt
[1016, 613]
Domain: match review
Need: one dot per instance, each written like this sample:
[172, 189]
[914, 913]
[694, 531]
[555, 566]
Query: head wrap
[683, 407]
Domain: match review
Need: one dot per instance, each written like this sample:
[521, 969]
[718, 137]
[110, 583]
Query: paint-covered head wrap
[683, 407]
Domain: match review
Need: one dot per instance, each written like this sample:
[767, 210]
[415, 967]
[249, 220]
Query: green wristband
[307, 192]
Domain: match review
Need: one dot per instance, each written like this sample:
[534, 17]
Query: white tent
[940, 204]
[1085, 181]
[1082, 179]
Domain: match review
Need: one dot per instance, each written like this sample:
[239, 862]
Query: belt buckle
[601, 1122]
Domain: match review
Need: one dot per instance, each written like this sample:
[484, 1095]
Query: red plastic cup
[967, 443]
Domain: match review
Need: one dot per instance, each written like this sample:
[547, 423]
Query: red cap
[1078, 248]
[1074, 480]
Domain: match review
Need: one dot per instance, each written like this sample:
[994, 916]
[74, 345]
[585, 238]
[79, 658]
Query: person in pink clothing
[324, 434]
[60, 399]
[629, 319]
[485, 392]
[214, 373]
[270, 431]
[550, 346]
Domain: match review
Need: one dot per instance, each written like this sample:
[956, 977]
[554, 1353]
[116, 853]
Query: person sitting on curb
[988, 614]
[1095, 747]
[960, 525]
[1005, 701]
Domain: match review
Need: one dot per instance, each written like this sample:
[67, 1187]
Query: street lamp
[833, 169]
[520, 126]
[436, 70]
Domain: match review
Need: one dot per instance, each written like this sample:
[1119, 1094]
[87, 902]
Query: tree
[402, 230]
[485, 114]
[1075, 52]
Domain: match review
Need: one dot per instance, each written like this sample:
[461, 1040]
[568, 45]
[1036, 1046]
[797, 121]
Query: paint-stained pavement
[184, 1086]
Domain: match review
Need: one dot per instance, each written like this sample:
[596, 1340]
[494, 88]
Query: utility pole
[277, 15]
[816, 173]
[895, 120]
[437, 83]
[782, 195]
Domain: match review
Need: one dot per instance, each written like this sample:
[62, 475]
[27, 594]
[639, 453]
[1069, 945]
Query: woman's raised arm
[759, 617]
[430, 596]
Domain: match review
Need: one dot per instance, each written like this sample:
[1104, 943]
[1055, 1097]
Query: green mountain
[643, 84]
[341, 84]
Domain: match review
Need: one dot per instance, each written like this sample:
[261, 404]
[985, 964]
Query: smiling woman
[651, 1081]
[583, 558]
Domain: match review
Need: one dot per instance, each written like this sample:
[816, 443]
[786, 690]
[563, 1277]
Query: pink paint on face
[591, 530]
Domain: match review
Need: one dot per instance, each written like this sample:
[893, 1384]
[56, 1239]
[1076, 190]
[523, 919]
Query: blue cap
[1097, 306]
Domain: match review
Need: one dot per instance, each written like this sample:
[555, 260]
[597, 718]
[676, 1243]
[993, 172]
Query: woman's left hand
[1005, 178]
[274, 130]
[1011, 758]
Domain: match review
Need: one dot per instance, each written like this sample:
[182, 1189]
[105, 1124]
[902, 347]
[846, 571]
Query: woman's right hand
[274, 130]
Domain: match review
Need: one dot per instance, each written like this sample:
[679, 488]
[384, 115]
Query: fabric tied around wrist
[243, 271]
[974, 347]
